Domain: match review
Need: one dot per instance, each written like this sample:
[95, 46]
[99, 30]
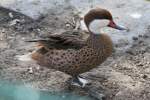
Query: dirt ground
[124, 76]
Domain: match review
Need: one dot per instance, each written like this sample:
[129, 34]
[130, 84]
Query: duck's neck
[99, 41]
[94, 40]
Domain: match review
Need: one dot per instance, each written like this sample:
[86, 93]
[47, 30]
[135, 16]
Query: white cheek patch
[96, 25]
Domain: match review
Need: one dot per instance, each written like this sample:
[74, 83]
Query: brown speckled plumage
[87, 56]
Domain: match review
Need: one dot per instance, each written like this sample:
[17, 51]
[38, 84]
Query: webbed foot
[78, 81]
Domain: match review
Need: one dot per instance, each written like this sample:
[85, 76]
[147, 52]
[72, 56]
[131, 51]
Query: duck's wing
[61, 41]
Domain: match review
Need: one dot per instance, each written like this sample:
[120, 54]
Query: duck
[73, 56]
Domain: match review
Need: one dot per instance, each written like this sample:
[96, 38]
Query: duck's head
[103, 17]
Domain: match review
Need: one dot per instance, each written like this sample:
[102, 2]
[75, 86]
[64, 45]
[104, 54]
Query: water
[9, 91]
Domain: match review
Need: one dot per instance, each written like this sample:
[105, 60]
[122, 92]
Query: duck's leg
[79, 81]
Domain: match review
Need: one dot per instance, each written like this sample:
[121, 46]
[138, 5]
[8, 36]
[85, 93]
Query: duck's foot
[78, 81]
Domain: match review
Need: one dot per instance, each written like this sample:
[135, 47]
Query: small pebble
[115, 65]
[135, 38]
[144, 76]
[141, 41]
[140, 64]
[14, 22]
[67, 25]
[38, 67]
[10, 15]
[146, 36]
[140, 36]
[38, 30]
[136, 15]
[30, 70]
[56, 18]
[130, 52]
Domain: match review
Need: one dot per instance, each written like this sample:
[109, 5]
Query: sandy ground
[129, 13]
[124, 76]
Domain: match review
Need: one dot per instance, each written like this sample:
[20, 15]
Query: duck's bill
[120, 27]
[112, 24]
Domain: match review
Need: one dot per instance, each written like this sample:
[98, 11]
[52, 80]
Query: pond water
[9, 91]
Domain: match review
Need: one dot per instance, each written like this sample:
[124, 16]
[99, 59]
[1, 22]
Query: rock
[11, 15]
[144, 76]
[30, 70]
[14, 22]
[131, 52]
[145, 36]
[135, 38]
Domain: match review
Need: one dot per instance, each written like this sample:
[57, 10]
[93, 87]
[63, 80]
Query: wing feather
[61, 41]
